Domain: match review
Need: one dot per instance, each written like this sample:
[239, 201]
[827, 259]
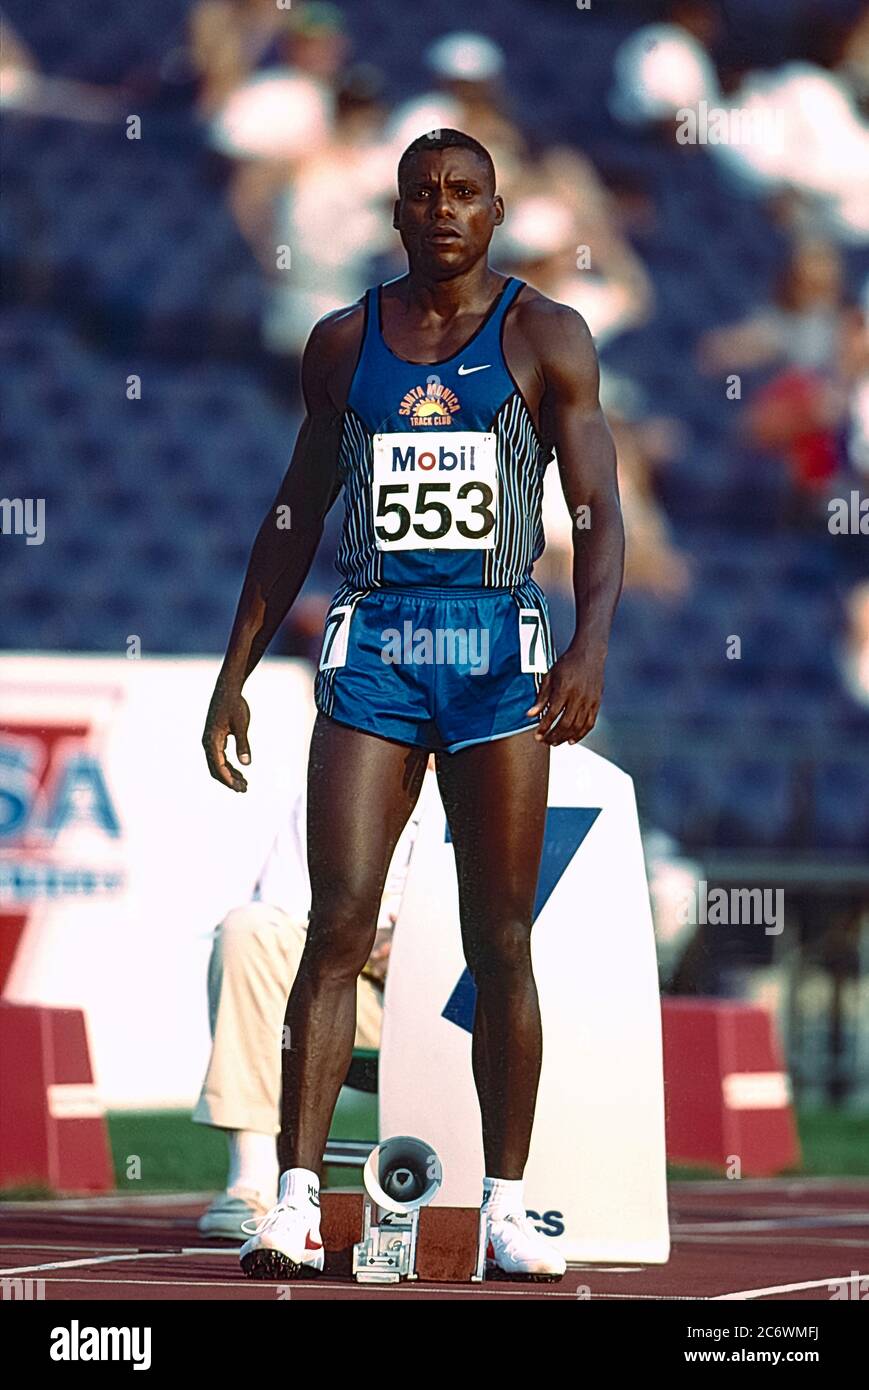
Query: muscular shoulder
[336, 334]
[559, 336]
[330, 355]
[561, 342]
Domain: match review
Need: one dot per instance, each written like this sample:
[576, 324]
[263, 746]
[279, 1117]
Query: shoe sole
[271, 1264]
[495, 1272]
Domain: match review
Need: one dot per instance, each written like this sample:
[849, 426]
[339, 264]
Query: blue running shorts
[436, 668]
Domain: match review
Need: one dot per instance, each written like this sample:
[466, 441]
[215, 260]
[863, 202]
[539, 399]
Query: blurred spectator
[23, 87]
[562, 235]
[279, 105]
[279, 115]
[301, 633]
[854, 653]
[233, 39]
[334, 216]
[673, 880]
[854, 60]
[800, 327]
[274, 98]
[820, 156]
[653, 564]
[663, 68]
[18, 67]
[857, 443]
[467, 69]
[856, 354]
[812, 336]
[652, 561]
[311, 178]
[796, 132]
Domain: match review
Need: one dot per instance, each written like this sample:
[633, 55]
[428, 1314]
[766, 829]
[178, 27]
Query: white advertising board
[119, 854]
[596, 1176]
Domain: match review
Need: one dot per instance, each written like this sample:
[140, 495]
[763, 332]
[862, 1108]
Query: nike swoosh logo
[312, 1244]
[466, 371]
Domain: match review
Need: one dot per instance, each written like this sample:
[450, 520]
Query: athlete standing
[435, 403]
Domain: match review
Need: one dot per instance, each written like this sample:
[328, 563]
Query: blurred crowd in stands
[691, 176]
[313, 147]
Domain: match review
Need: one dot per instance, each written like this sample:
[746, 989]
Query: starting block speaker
[52, 1125]
[728, 1094]
[596, 1175]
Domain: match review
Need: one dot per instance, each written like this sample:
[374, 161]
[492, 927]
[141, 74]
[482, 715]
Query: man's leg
[495, 798]
[361, 790]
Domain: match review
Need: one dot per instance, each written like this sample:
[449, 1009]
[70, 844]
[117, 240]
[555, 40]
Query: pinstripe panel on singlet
[472, 395]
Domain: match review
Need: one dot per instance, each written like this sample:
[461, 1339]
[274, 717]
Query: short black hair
[444, 140]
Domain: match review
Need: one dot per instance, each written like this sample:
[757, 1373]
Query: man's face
[447, 212]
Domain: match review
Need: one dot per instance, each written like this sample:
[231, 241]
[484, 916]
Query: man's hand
[378, 962]
[228, 714]
[572, 688]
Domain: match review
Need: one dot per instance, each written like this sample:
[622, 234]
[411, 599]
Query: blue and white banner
[119, 854]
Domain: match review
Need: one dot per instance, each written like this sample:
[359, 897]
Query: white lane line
[118, 1259]
[91, 1260]
[787, 1288]
[767, 1184]
[747, 1243]
[97, 1222]
[42, 1244]
[492, 1288]
[94, 1204]
[656, 1297]
[310, 1284]
[215, 1250]
[116, 1199]
[747, 1213]
[845, 1218]
[147, 1283]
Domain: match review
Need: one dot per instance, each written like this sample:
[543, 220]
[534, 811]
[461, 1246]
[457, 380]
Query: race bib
[435, 493]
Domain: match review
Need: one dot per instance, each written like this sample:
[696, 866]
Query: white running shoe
[515, 1250]
[285, 1244]
[228, 1211]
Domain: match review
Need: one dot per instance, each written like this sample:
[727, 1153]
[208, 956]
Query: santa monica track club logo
[432, 404]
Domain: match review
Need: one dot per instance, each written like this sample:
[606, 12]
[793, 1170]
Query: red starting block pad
[446, 1251]
[728, 1095]
[52, 1124]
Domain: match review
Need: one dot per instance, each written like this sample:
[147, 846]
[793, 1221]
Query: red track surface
[770, 1240]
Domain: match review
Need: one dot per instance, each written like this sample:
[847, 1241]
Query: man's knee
[342, 927]
[501, 947]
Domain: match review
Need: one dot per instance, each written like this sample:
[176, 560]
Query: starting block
[447, 1242]
[402, 1177]
[52, 1123]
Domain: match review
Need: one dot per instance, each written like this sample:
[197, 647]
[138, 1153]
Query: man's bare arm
[587, 467]
[282, 552]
